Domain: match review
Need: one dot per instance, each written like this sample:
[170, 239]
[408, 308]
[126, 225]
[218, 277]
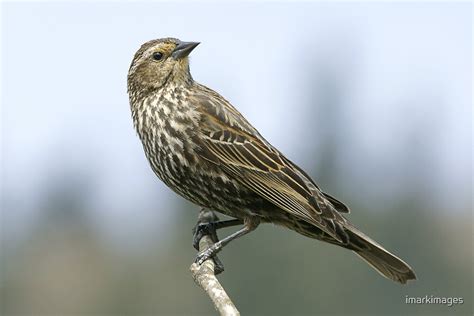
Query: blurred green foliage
[65, 268]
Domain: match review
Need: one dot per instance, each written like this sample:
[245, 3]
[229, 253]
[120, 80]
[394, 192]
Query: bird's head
[159, 62]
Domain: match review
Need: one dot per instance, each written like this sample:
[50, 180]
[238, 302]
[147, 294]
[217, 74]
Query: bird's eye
[157, 56]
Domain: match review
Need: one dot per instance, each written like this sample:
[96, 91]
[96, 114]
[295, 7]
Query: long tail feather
[386, 263]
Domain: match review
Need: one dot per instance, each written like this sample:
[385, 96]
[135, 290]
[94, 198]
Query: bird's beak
[184, 49]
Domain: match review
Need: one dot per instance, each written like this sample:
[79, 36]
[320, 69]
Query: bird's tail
[387, 264]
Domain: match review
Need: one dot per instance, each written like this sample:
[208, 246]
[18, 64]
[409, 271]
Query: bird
[206, 151]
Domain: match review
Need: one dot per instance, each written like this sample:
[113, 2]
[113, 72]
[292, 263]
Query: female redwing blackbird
[201, 147]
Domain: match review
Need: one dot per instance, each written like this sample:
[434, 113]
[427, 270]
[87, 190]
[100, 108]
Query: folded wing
[228, 140]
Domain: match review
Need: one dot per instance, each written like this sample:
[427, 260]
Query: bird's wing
[225, 138]
[338, 205]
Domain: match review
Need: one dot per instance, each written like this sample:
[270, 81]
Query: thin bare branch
[204, 275]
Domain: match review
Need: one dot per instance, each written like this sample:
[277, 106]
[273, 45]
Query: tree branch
[204, 275]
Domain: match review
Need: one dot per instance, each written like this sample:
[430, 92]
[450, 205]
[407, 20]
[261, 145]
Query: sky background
[373, 99]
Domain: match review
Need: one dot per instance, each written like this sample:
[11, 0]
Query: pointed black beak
[184, 49]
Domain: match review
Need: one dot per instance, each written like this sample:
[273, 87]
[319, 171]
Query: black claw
[208, 253]
[205, 255]
[201, 230]
[197, 236]
[218, 265]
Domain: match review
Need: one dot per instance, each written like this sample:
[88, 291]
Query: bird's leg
[207, 224]
[209, 228]
[249, 225]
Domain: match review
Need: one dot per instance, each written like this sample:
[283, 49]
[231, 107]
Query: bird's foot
[208, 253]
[207, 229]
[201, 230]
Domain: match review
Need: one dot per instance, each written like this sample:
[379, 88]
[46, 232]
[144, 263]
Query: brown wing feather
[231, 142]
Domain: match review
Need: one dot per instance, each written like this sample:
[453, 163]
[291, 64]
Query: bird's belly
[202, 183]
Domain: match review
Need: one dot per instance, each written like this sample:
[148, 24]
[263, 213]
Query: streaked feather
[228, 140]
[206, 151]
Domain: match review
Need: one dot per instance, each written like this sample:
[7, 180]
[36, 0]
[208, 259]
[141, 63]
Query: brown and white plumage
[227, 140]
[206, 151]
